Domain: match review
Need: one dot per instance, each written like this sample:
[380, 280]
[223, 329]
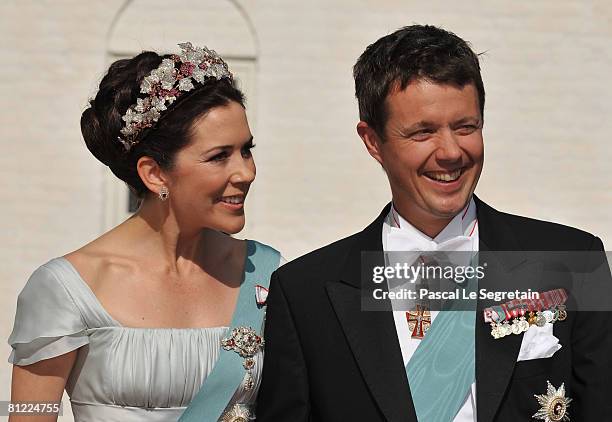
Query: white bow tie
[404, 241]
[412, 245]
[401, 240]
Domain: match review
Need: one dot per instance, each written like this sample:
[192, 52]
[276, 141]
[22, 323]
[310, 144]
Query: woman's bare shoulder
[107, 257]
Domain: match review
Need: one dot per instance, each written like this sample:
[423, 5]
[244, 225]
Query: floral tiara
[169, 81]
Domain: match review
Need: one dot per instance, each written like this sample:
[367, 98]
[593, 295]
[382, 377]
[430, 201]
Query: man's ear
[371, 140]
[151, 174]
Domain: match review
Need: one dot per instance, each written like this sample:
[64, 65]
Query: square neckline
[117, 324]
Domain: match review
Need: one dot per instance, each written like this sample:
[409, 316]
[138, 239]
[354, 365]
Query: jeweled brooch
[238, 413]
[554, 404]
[245, 342]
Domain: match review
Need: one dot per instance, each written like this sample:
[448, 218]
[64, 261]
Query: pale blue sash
[228, 373]
[442, 368]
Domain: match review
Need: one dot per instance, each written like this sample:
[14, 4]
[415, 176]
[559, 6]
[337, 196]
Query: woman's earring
[163, 193]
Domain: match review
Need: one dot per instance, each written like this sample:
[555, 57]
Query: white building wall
[546, 68]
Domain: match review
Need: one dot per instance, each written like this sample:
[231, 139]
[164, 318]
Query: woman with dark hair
[166, 307]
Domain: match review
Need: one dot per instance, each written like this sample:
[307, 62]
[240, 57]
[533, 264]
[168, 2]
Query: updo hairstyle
[119, 89]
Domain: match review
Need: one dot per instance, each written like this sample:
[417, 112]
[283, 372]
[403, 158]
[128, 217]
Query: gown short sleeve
[47, 322]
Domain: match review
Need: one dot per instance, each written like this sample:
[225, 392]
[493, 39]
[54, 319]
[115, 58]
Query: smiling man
[431, 149]
[421, 106]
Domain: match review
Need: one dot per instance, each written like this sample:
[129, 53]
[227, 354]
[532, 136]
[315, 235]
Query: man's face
[433, 150]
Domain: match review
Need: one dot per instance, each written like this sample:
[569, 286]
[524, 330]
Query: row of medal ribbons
[516, 316]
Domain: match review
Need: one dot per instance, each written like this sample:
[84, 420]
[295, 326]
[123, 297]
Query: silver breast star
[554, 404]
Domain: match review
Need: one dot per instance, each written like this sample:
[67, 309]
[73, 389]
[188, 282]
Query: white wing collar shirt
[461, 234]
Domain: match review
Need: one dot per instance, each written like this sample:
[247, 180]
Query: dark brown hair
[119, 89]
[410, 53]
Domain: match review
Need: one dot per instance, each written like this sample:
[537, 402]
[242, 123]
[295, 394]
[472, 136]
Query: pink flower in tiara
[187, 69]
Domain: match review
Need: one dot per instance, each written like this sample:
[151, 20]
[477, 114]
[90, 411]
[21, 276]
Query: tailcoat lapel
[495, 359]
[371, 335]
[373, 339]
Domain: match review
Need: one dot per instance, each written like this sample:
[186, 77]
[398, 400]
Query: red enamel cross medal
[419, 321]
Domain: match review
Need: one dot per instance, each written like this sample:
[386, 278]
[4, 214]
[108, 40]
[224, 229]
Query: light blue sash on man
[228, 373]
[442, 368]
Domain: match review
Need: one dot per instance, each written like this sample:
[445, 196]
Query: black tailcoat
[327, 360]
